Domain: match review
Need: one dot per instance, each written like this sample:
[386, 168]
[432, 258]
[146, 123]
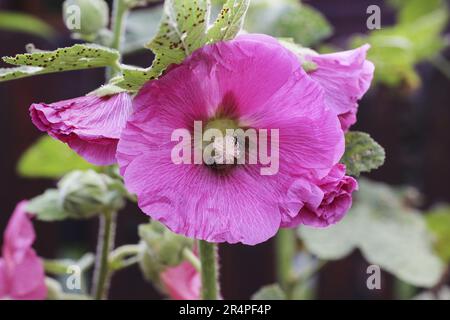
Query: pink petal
[346, 77]
[262, 85]
[4, 283]
[91, 125]
[19, 234]
[28, 278]
[182, 282]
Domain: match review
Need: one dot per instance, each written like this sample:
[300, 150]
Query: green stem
[192, 258]
[285, 252]
[120, 13]
[102, 274]
[208, 259]
[124, 257]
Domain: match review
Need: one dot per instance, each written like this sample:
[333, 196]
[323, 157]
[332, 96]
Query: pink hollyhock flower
[346, 77]
[325, 201]
[21, 270]
[90, 125]
[250, 83]
[182, 282]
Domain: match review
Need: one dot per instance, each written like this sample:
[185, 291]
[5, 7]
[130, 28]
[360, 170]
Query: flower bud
[86, 17]
[163, 249]
[84, 194]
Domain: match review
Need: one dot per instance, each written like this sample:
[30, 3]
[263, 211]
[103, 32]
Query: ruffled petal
[90, 125]
[346, 77]
[261, 85]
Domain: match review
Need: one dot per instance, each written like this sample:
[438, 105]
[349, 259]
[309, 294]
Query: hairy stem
[285, 251]
[208, 259]
[120, 13]
[105, 244]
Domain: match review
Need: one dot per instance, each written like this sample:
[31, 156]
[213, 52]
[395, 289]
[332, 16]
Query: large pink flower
[21, 270]
[324, 201]
[251, 83]
[90, 125]
[182, 282]
[345, 77]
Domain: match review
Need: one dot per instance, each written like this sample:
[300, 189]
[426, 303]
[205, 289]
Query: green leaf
[388, 234]
[229, 21]
[49, 158]
[48, 207]
[183, 29]
[270, 292]
[288, 18]
[77, 57]
[362, 153]
[20, 22]
[438, 221]
[410, 10]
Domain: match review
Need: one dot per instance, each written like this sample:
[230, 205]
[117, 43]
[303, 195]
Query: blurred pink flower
[254, 84]
[182, 282]
[325, 201]
[345, 76]
[21, 270]
[90, 125]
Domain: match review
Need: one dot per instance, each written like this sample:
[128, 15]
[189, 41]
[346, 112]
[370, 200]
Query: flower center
[222, 148]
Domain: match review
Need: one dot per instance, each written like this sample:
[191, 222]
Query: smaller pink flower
[182, 282]
[323, 203]
[22, 274]
[345, 77]
[90, 125]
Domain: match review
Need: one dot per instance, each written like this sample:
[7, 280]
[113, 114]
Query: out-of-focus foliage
[362, 153]
[50, 158]
[20, 22]
[442, 294]
[416, 37]
[77, 57]
[438, 221]
[270, 292]
[387, 232]
[288, 18]
[141, 25]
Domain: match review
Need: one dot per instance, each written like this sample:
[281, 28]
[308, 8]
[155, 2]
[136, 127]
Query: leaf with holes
[183, 29]
[229, 22]
[77, 57]
[362, 153]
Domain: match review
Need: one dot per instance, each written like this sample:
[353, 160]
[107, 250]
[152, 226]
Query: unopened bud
[86, 17]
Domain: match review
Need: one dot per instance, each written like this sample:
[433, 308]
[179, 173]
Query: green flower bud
[86, 17]
[163, 249]
[84, 194]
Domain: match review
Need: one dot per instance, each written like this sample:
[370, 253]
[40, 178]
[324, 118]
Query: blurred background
[407, 112]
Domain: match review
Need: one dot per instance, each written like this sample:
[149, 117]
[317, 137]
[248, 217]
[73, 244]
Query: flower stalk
[105, 244]
[120, 13]
[285, 252]
[208, 259]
